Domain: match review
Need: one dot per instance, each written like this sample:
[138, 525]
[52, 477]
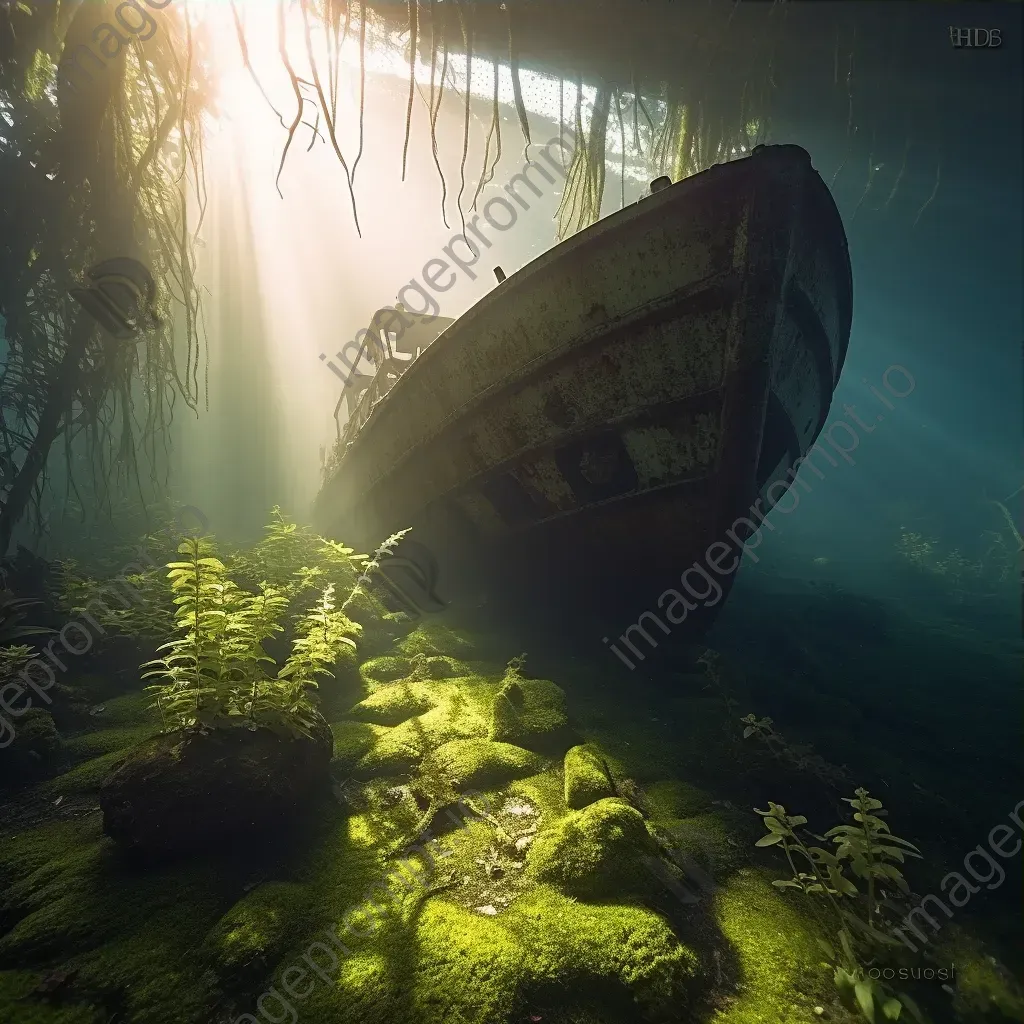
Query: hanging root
[434, 110]
[851, 128]
[326, 110]
[362, 88]
[636, 112]
[870, 178]
[282, 49]
[517, 88]
[244, 49]
[561, 120]
[899, 176]
[413, 24]
[467, 36]
[622, 146]
[488, 171]
[584, 186]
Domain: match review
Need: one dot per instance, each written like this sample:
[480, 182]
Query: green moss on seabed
[782, 974]
[385, 669]
[530, 713]
[555, 921]
[437, 963]
[394, 703]
[586, 777]
[597, 852]
[483, 764]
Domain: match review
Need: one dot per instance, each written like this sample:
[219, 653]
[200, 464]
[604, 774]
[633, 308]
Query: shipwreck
[600, 418]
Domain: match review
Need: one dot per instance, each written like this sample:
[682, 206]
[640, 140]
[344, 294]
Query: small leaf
[770, 840]
[892, 1008]
[864, 991]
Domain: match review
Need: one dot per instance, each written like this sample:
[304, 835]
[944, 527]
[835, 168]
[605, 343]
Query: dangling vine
[92, 170]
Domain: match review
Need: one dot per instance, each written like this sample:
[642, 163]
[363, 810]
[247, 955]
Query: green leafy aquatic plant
[298, 561]
[372, 566]
[12, 658]
[854, 880]
[322, 634]
[132, 604]
[256, 619]
[214, 675]
[963, 576]
[197, 668]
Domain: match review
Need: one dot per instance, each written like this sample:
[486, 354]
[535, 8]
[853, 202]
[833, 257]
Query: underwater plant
[372, 566]
[12, 658]
[213, 676]
[323, 632]
[854, 880]
[294, 557]
[997, 553]
[132, 604]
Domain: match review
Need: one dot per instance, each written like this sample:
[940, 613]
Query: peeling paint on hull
[608, 411]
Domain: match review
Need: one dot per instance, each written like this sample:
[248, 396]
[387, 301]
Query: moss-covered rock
[352, 740]
[175, 793]
[546, 951]
[455, 716]
[545, 791]
[530, 713]
[547, 955]
[628, 954]
[437, 666]
[586, 777]
[596, 852]
[393, 704]
[483, 764]
[385, 669]
[35, 749]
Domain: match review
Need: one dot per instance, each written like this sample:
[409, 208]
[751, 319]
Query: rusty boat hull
[605, 414]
